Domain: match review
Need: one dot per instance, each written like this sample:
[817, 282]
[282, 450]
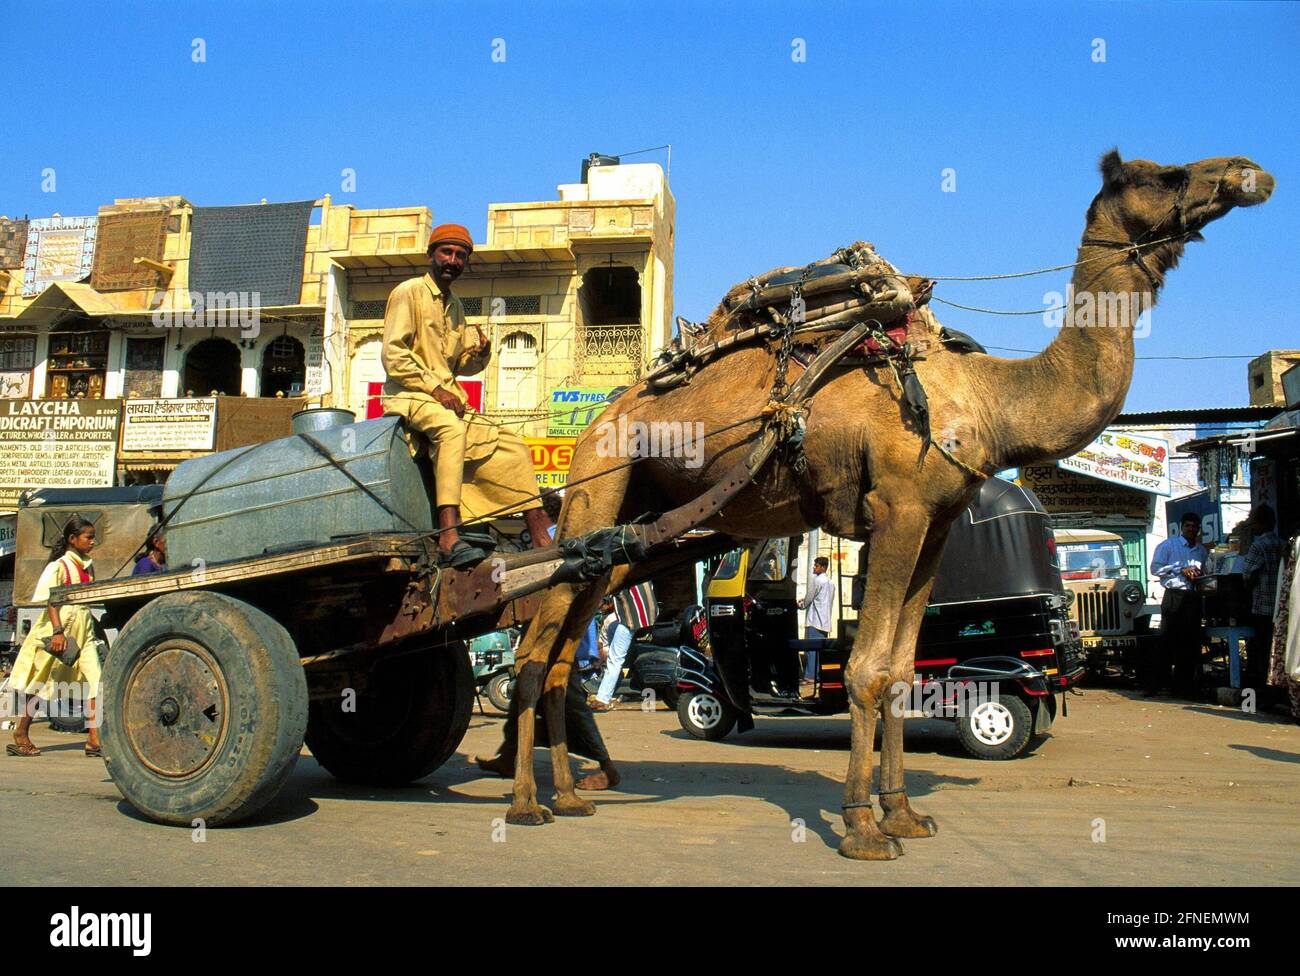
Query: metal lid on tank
[321, 418]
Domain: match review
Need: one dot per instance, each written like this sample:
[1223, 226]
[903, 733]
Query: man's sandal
[24, 751]
[94, 752]
[462, 554]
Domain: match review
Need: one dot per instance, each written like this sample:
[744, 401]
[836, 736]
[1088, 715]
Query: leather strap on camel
[594, 554]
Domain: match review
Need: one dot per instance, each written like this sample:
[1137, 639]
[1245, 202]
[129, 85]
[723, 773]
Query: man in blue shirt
[1179, 564]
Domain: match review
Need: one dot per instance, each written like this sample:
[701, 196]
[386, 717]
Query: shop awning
[1259, 440]
[71, 296]
[149, 465]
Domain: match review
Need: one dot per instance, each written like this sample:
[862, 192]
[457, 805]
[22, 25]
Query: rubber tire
[72, 724]
[1021, 726]
[499, 690]
[407, 722]
[719, 731]
[268, 692]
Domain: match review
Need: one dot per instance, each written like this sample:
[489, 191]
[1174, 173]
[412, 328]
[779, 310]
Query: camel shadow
[806, 798]
[920, 736]
[1277, 755]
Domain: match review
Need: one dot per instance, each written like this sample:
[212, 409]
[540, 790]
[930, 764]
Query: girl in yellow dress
[37, 672]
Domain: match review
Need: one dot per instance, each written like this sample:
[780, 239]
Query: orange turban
[451, 234]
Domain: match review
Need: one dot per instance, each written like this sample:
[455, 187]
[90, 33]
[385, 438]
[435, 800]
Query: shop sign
[314, 360]
[1064, 491]
[170, 425]
[573, 410]
[1122, 458]
[8, 535]
[57, 444]
[552, 457]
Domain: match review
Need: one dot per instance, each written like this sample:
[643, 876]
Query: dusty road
[1188, 794]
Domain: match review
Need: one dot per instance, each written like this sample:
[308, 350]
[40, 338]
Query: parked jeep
[1111, 610]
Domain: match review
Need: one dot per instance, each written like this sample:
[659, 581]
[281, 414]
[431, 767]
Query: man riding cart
[478, 466]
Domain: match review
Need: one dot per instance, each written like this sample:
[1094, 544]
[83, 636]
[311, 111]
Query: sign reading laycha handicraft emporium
[56, 444]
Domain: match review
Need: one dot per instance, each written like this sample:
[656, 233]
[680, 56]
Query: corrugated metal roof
[1195, 415]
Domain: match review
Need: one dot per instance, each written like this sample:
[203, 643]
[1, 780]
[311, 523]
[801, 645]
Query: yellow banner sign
[552, 457]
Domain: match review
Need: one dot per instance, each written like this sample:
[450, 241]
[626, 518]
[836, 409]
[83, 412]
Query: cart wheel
[705, 715]
[204, 709]
[997, 729]
[407, 721]
[500, 689]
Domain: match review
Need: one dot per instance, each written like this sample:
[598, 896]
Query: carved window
[518, 386]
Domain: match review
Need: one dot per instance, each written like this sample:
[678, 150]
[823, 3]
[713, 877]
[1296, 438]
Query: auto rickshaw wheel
[404, 724]
[500, 689]
[996, 728]
[706, 715]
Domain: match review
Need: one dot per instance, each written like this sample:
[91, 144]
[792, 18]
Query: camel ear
[1112, 169]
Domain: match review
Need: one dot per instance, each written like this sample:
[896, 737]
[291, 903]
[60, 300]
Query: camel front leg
[900, 820]
[896, 543]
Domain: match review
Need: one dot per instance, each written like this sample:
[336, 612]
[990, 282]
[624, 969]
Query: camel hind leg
[552, 638]
[556, 688]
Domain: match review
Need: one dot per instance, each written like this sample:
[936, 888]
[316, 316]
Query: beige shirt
[425, 340]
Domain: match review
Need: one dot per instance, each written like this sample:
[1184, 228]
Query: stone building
[574, 294]
[155, 299]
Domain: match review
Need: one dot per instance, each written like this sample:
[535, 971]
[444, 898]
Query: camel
[870, 476]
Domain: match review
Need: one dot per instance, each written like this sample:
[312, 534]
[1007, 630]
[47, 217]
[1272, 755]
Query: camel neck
[1066, 395]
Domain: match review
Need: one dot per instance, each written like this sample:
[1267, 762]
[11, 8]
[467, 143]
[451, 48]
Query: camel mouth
[1259, 192]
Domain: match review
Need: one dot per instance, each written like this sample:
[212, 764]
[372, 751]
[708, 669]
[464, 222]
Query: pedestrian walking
[62, 649]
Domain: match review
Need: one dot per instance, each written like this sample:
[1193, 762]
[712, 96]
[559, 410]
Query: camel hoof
[906, 823]
[574, 807]
[529, 816]
[857, 847]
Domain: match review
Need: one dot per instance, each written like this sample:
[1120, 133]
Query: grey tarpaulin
[250, 249]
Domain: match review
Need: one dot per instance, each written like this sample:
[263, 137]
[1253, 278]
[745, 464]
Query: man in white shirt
[1179, 564]
[615, 640]
[817, 621]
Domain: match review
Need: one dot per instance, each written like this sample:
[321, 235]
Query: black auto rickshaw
[996, 643]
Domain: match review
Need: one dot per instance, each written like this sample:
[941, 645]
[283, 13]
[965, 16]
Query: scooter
[654, 656]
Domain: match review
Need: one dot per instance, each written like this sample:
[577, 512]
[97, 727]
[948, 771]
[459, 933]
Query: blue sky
[774, 161]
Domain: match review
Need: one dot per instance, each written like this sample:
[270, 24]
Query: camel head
[1141, 200]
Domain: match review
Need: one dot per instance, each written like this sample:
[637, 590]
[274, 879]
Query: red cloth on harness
[896, 333]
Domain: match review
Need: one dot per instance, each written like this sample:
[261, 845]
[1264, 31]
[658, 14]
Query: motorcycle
[654, 656]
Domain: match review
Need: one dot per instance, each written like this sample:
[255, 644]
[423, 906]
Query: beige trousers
[477, 465]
